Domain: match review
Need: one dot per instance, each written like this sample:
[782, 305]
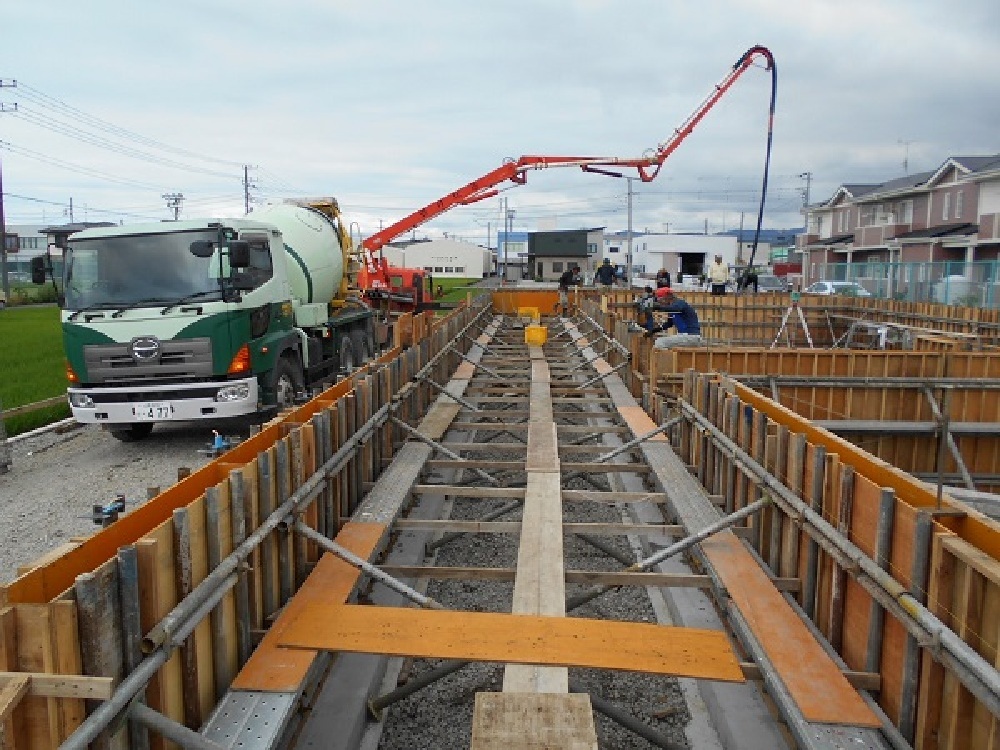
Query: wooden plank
[64, 685]
[521, 639]
[818, 686]
[275, 669]
[11, 693]
[68, 661]
[533, 721]
[539, 588]
[13, 728]
[158, 595]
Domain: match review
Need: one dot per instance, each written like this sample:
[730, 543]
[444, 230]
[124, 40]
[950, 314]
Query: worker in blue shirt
[682, 317]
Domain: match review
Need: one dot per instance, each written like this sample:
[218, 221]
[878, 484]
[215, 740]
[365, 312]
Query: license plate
[151, 411]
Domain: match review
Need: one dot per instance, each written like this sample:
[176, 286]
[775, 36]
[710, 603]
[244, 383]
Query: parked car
[846, 288]
[3, 300]
[770, 283]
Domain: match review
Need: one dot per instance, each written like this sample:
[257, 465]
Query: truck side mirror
[38, 270]
[239, 254]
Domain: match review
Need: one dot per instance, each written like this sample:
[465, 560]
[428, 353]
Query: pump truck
[209, 318]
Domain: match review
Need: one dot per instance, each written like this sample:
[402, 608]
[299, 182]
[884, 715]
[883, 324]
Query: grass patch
[32, 364]
[456, 289]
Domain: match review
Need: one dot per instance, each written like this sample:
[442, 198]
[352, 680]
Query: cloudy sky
[390, 104]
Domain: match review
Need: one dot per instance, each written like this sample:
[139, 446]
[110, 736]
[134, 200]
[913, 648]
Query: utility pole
[3, 244]
[807, 176]
[247, 187]
[510, 228]
[4, 279]
[628, 268]
[174, 201]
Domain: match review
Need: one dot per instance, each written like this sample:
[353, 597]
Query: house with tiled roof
[948, 215]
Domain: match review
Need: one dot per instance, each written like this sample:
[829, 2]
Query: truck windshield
[137, 270]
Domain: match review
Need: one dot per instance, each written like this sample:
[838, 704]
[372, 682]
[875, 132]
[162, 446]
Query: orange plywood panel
[276, 669]
[817, 685]
[519, 639]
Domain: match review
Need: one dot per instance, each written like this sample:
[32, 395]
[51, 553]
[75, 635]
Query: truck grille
[185, 360]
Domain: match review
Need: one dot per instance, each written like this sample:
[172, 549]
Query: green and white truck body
[207, 319]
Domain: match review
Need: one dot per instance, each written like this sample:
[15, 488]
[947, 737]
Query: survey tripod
[793, 308]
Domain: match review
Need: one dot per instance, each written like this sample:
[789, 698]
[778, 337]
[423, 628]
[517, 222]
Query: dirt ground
[47, 497]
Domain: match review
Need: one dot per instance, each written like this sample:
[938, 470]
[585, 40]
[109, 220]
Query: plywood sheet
[521, 639]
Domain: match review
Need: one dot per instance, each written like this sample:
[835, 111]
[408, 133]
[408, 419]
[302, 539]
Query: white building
[689, 254]
[442, 258]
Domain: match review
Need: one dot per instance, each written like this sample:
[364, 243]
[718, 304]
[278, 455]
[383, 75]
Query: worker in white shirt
[718, 275]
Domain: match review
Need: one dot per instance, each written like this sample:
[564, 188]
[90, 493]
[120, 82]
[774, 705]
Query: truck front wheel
[288, 381]
[132, 432]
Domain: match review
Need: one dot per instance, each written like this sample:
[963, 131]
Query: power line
[21, 151]
[94, 140]
[50, 102]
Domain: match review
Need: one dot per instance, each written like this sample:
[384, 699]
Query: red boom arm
[517, 171]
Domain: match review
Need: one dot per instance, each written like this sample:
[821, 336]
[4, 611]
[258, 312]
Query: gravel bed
[47, 497]
[440, 715]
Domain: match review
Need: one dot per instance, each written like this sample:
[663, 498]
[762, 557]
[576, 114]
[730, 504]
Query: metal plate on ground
[251, 719]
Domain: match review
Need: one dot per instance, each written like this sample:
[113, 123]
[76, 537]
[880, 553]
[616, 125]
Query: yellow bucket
[528, 314]
[535, 335]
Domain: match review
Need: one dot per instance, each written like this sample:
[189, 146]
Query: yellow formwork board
[519, 639]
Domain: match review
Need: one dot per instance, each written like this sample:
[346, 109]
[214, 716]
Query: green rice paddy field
[32, 364]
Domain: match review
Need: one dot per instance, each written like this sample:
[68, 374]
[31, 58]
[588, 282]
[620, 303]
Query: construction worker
[570, 277]
[682, 317]
[718, 275]
[644, 313]
[605, 275]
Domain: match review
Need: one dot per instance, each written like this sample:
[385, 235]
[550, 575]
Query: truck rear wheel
[362, 345]
[132, 432]
[288, 381]
[348, 358]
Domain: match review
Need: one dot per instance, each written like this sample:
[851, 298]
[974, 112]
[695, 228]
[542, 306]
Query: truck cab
[203, 320]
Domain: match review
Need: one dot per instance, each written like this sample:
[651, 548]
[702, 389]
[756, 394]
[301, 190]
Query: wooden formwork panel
[176, 540]
[870, 501]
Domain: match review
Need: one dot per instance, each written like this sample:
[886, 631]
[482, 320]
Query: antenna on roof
[906, 155]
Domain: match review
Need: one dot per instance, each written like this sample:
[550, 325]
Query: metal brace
[633, 443]
[372, 570]
[594, 379]
[478, 365]
[443, 449]
[444, 391]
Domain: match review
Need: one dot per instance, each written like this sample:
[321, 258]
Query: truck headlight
[81, 401]
[236, 392]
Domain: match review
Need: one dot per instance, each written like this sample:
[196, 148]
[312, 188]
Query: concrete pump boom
[516, 171]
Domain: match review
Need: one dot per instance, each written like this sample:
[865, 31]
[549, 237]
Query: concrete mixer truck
[208, 319]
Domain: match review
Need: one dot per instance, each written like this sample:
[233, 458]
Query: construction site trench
[521, 529]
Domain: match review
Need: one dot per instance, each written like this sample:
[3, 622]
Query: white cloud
[390, 104]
